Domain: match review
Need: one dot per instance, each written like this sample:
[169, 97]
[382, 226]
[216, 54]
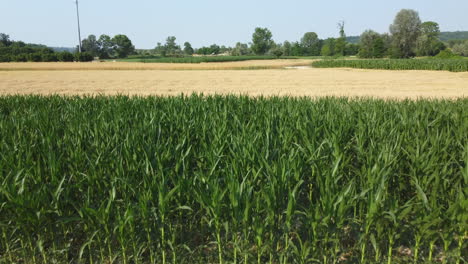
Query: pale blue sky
[204, 22]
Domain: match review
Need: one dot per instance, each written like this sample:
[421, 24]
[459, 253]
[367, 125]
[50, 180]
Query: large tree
[262, 41]
[311, 44]
[91, 45]
[188, 50]
[171, 48]
[340, 44]
[328, 48]
[405, 30]
[122, 46]
[371, 45]
[5, 39]
[428, 43]
[240, 49]
[105, 46]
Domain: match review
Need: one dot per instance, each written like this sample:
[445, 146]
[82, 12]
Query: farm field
[229, 179]
[236, 65]
[171, 79]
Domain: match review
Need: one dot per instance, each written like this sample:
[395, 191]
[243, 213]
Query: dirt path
[294, 82]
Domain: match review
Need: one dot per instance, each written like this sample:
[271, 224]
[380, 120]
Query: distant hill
[59, 49]
[444, 36]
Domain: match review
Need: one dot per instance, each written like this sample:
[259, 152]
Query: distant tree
[340, 43]
[461, 48]
[224, 49]
[171, 48]
[5, 40]
[215, 49]
[122, 46]
[105, 46]
[240, 49]
[65, 56]
[296, 49]
[328, 48]
[310, 44]
[262, 41]
[160, 49]
[405, 30]
[83, 56]
[287, 48]
[428, 43]
[352, 49]
[188, 50]
[91, 45]
[371, 45]
[277, 51]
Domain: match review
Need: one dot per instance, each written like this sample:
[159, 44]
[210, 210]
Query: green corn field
[199, 59]
[229, 179]
[453, 65]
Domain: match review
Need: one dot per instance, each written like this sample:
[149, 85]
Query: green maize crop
[200, 59]
[453, 65]
[232, 180]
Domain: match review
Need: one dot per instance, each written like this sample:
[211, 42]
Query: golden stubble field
[225, 78]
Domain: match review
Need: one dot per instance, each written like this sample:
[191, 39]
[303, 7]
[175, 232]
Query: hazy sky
[204, 22]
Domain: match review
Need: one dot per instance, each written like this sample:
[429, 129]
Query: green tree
[171, 48]
[371, 45]
[405, 30]
[262, 41]
[328, 48]
[352, 49]
[277, 51]
[461, 48]
[188, 50]
[159, 49]
[91, 45]
[105, 46]
[311, 44]
[215, 49]
[296, 49]
[287, 48]
[340, 43]
[5, 39]
[240, 49]
[122, 46]
[428, 43]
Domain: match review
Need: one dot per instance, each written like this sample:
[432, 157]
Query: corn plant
[232, 179]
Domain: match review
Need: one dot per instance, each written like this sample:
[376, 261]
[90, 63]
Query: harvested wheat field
[271, 82]
[235, 65]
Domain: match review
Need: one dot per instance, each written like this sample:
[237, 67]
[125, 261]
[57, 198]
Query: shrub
[84, 57]
[447, 54]
[20, 57]
[5, 58]
[65, 56]
[35, 57]
[49, 57]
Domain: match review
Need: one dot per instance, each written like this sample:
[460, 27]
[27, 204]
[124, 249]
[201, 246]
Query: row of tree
[120, 46]
[408, 37]
[18, 51]
[263, 44]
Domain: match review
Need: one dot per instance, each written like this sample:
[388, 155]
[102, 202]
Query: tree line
[407, 37]
[120, 46]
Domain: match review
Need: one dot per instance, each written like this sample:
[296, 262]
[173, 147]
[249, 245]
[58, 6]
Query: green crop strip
[201, 59]
[453, 65]
[232, 180]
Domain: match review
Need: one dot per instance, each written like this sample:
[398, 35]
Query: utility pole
[79, 32]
